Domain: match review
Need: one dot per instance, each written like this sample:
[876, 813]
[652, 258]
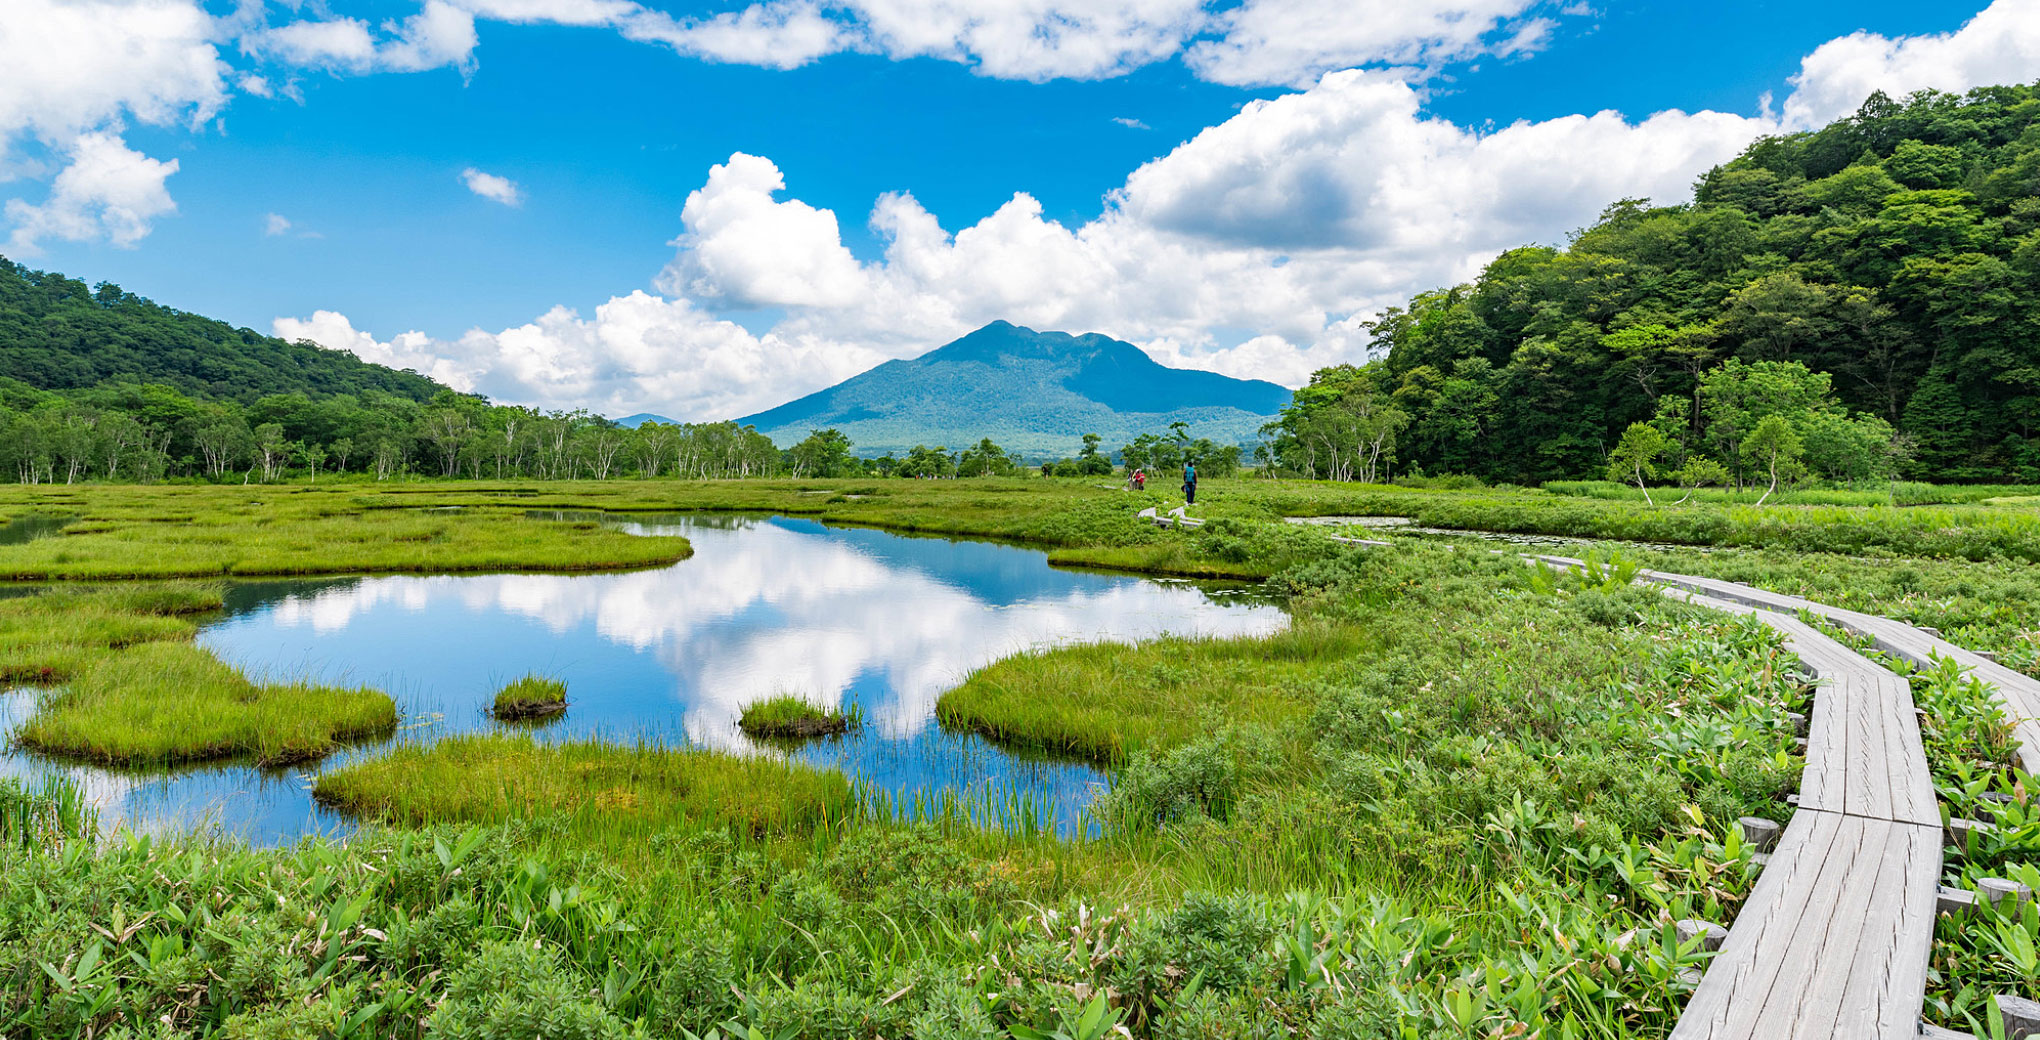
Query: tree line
[1873, 286]
[143, 432]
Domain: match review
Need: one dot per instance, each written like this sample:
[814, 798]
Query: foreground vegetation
[1457, 798]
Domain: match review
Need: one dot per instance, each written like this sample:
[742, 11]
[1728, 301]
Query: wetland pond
[766, 605]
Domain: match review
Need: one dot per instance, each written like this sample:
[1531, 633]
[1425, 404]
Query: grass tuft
[531, 697]
[788, 717]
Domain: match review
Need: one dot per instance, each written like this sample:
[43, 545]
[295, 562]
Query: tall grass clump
[790, 717]
[162, 703]
[530, 697]
[606, 790]
[45, 814]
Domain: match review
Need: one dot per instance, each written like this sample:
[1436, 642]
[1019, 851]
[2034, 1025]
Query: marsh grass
[604, 792]
[1104, 701]
[203, 532]
[530, 697]
[49, 636]
[790, 717]
[169, 702]
[44, 814]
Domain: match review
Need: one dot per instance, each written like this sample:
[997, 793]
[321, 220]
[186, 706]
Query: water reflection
[837, 616]
[24, 529]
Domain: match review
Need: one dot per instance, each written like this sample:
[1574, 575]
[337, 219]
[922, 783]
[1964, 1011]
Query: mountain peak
[1028, 390]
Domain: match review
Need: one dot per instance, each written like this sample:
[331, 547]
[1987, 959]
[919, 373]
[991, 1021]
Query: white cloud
[743, 248]
[107, 191]
[1131, 123]
[1256, 42]
[71, 66]
[1032, 39]
[440, 34]
[636, 352]
[492, 187]
[1292, 42]
[275, 224]
[2000, 45]
[779, 34]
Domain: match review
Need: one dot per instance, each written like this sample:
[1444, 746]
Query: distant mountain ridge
[641, 418]
[1029, 391]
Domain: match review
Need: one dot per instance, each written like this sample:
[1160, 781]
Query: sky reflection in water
[835, 615]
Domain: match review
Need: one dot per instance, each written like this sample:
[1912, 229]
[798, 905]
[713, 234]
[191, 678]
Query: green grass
[1106, 701]
[600, 788]
[196, 532]
[168, 702]
[530, 697]
[1452, 790]
[788, 717]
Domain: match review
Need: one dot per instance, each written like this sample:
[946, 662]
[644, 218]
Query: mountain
[641, 418]
[1029, 391]
[56, 333]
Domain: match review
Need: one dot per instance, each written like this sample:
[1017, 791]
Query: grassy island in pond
[600, 788]
[787, 717]
[531, 697]
[167, 702]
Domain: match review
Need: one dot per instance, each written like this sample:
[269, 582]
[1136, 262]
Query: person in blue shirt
[1189, 483]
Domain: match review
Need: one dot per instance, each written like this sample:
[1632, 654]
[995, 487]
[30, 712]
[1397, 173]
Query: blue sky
[1289, 222]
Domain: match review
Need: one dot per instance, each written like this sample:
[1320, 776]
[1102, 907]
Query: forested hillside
[1882, 270]
[59, 334]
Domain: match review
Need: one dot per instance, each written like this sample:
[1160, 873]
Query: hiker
[1189, 483]
[1140, 480]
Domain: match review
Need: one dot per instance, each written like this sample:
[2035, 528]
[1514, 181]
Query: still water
[839, 616]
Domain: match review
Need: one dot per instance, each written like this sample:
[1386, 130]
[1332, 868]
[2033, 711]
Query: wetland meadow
[979, 758]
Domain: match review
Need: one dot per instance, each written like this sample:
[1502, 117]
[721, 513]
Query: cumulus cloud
[440, 34]
[108, 191]
[744, 248]
[492, 187]
[637, 351]
[2000, 45]
[1256, 42]
[779, 34]
[275, 224]
[1292, 42]
[70, 66]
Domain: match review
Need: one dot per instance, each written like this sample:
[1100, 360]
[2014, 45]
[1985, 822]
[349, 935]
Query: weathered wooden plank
[1833, 940]
[2017, 693]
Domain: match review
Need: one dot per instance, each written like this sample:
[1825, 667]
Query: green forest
[1874, 285]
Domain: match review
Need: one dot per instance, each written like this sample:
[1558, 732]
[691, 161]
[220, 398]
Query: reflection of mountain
[760, 609]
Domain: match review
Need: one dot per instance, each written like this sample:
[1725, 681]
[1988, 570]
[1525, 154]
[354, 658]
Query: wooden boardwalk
[2018, 694]
[1834, 938]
